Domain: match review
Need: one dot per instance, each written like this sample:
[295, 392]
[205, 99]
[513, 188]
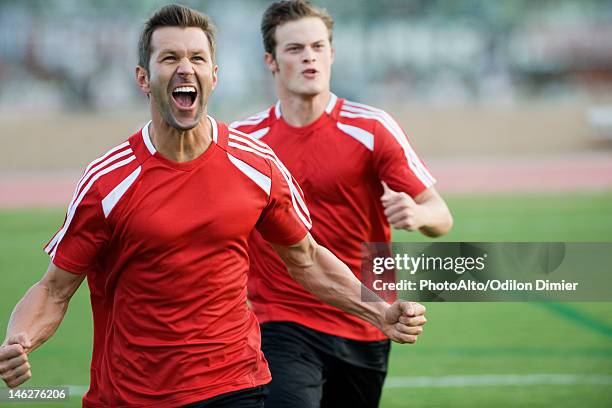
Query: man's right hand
[14, 365]
[34, 320]
[403, 321]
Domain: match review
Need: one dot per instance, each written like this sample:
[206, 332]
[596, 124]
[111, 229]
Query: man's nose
[185, 67]
[309, 55]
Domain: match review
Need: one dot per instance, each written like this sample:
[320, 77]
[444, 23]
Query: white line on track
[486, 380]
[489, 380]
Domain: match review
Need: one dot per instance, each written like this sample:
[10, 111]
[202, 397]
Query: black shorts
[311, 369]
[247, 398]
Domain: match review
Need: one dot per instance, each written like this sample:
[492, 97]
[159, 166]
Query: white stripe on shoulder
[105, 155]
[52, 249]
[415, 164]
[258, 134]
[305, 218]
[258, 177]
[252, 120]
[112, 198]
[362, 136]
[261, 149]
[362, 106]
[250, 138]
[112, 155]
[269, 153]
[106, 162]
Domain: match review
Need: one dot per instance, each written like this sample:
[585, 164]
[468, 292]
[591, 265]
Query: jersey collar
[324, 118]
[331, 104]
[146, 138]
[333, 99]
[144, 148]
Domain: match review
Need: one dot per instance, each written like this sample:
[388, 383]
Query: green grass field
[461, 339]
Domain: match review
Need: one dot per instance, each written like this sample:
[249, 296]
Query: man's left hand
[402, 211]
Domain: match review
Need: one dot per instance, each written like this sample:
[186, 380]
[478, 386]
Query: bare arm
[427, 212]
[34, 320]
[330, 280]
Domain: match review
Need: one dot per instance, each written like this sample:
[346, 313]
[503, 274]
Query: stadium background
[509, 103]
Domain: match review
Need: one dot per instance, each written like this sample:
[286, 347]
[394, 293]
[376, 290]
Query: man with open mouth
[159, 226]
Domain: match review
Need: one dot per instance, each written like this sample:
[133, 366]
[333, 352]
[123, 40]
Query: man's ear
[215, 76]
[142, 79]
[271, 63]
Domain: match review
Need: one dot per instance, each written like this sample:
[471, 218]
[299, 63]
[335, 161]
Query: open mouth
[310, 71]
[184, 96]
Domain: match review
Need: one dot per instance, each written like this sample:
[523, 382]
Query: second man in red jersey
[360, 176]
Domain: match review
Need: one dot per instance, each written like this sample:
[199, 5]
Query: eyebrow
[294, 44]
[170, 51]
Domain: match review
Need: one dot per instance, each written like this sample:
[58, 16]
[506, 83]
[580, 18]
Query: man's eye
[169, 58]
[199, 59]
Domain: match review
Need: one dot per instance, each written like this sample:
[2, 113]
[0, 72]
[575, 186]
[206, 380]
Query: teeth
[185, 89]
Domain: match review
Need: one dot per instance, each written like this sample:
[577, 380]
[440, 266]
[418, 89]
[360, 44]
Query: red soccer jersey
[164, 245]
[339, 160]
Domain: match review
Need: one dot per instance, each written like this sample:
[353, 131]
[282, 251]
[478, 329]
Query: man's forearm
[332, 282]
[439, 220]
[34, 320]
[326, 277]
[38, 314]
[426, 212]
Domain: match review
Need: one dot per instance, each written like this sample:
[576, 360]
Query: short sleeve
[77, 244]
[396, 162]
[285, 220]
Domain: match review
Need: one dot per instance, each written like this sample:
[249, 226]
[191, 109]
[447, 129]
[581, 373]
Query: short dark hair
[283, 12]
[173, 15]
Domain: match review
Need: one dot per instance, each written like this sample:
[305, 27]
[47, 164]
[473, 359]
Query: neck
[180, 145]
[298, 110]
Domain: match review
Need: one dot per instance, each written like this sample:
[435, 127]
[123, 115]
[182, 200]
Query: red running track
[578, 172]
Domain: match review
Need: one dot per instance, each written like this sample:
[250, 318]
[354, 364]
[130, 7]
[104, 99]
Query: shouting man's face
[181, 75]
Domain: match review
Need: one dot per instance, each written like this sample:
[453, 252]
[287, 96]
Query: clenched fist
[402, 211]
[403, 321]
[14, 365]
